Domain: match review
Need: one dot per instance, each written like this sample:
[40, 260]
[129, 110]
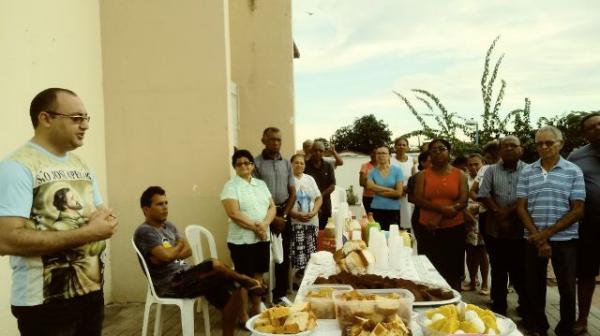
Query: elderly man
[57, 263]
[550, 202]
[336, 160]
[276, 172]
[323, 173]
[588, 255]
[504, 230]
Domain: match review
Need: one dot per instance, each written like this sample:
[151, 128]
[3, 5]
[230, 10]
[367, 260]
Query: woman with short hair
[250, 208]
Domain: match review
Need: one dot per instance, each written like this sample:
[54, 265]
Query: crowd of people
[487, 208]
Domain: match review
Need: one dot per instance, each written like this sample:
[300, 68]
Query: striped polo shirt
[500, 184]
[549, 194]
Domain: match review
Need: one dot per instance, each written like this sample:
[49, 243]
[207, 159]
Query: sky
[353, 54]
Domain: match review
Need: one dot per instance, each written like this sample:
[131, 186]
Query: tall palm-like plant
[492, 125]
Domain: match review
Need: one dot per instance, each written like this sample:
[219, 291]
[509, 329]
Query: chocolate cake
[372, 281]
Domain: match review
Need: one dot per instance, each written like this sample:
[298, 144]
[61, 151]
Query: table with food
[377, 289]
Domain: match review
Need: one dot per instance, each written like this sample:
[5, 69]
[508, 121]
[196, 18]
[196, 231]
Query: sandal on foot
[467, 287]
[484, 291]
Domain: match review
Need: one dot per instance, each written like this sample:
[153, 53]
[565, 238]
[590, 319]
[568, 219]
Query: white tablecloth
[415, 268]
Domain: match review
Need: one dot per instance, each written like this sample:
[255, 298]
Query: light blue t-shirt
[394, 176]
[16, 183]
[52, 194]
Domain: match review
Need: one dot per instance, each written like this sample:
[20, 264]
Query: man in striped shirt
[550, 201]
[503, 230]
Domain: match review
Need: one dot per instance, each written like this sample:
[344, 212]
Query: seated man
[165, 251]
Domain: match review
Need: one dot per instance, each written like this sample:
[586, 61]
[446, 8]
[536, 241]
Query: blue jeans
[564, 262]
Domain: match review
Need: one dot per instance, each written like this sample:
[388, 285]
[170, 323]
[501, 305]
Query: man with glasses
[276, 172]
[57, 269]
[550, 202]
[588, 255]
[504, 231]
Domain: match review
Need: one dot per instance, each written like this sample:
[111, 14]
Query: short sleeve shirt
[549, 194]
[254, 199]
[323, 175]
[588, 159]
[52, 193]
[500, 184]
[277, 174]
[365, 168]
[390, 181]
[307, 192]
[146, 238]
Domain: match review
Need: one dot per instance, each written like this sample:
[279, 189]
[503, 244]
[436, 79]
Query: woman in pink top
[441, 193]
[363, 174]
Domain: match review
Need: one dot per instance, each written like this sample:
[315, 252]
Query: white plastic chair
[186, 306]
[195, 234]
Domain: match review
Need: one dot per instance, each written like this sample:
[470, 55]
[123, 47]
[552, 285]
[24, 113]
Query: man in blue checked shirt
[550, 201]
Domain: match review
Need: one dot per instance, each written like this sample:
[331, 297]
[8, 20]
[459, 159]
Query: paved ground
[126, 319]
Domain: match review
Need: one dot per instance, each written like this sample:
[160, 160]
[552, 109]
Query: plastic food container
[323, 307]
[377, 305]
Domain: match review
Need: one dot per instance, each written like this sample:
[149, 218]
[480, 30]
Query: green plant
[362, 135]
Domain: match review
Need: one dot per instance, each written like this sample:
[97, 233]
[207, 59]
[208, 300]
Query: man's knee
[218, 265]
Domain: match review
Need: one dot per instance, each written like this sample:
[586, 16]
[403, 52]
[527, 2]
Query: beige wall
[45, 45]
[262, 66]
[166, 78]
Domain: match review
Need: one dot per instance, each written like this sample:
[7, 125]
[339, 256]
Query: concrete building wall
[262, 67]
[45, 45]
[166, 77]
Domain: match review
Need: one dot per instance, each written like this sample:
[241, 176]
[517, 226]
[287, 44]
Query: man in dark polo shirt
[276, 172]
[323, 173]
[588, 261]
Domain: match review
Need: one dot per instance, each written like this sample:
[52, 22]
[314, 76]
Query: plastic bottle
[406, 238]
[371, 224]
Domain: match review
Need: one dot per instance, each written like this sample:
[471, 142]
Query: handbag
[277, 247]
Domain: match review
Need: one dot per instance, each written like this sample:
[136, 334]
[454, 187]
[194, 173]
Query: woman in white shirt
[409, 167]
[304, 219]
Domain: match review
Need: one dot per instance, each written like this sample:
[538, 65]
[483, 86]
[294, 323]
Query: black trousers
[445, 248]
[564, 263]
[506, 260]
[79, 316]
[282, 270]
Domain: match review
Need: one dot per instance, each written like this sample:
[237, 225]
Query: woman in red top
[441, 193]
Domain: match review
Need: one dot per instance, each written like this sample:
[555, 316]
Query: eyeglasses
[77, 118]
[436, 150]
[548, 143]
[243, 163]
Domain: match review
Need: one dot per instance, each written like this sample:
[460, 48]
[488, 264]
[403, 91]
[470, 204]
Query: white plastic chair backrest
[145, 267]
[194, 234]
